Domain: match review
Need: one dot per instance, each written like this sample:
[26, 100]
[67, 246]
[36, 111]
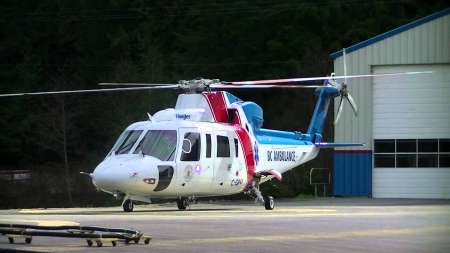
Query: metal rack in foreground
[90, 233]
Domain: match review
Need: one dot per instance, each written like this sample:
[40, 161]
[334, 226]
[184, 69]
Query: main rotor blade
[247, 86]
[352, 103]
[136, 84]
[322, 78]
[339, 111]
[83, 91]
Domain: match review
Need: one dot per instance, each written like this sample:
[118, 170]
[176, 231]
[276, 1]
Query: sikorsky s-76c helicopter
[211, 144]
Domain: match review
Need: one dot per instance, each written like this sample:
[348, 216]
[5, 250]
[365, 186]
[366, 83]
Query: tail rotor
[344, 94]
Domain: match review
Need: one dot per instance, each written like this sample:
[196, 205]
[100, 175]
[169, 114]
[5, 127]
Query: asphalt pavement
[313, 225]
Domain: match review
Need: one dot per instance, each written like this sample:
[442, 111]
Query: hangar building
[404, 120]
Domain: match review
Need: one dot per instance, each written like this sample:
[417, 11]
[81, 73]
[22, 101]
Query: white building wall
[428, 43]
[412, 106]
[429, 115]
[411, 183]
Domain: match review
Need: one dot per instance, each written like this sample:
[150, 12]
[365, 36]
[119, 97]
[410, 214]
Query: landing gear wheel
[11, 240]
[28, 240]
[269, 203]
[147, 241]
[182, 203]
[128, 205]
[114, 243]
[89, 242]
[99, 244]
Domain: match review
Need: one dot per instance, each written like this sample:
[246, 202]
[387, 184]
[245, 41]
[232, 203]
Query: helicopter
[211, 143]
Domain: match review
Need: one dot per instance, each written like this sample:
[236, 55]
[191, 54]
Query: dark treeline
[50, 45]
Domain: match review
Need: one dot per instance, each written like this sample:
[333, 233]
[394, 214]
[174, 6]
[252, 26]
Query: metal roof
[391, 33]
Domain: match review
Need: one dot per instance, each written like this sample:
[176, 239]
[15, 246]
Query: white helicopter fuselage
[223, 161]
[200, 148]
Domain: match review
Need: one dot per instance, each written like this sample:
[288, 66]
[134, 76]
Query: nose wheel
[182, 203]
[128, 205]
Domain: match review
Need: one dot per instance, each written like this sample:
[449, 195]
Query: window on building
[412, 153]
[223, 146]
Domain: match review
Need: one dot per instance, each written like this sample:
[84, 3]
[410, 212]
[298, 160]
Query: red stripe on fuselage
[219, 110]
[218, 106]
[236, 115]
[247, 149]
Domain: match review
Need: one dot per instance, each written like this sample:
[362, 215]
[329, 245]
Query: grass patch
[304, 196]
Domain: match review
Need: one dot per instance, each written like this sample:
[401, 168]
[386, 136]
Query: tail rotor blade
[352, 103]
[339, 111]
[345, 65]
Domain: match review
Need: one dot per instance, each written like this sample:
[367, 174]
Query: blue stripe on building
[352, 174]
[391, 33]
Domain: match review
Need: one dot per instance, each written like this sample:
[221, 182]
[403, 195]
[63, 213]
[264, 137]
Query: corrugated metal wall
[426, 43]
[353, 173]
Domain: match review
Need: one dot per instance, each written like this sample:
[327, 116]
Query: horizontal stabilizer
[337, 144]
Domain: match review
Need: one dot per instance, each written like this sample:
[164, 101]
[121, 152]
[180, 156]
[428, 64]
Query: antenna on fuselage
[150, 117]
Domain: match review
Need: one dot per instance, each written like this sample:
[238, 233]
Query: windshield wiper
[128, 146]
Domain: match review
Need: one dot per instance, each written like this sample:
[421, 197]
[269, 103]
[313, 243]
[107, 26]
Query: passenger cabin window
[208, 145]
[223, 146]
[126, 141]
[236, 147]
[160, 144]
[191, 147]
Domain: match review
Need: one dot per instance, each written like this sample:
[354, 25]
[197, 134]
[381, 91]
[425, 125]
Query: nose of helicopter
[114, 178]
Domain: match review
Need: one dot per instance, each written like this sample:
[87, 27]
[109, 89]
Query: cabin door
[223, 162]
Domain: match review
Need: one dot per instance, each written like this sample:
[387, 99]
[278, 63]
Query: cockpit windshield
[126, 141]
[161, 144]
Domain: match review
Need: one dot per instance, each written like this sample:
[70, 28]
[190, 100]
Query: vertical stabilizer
[326, 94]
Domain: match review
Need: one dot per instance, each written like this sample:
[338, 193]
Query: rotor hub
[197, 84]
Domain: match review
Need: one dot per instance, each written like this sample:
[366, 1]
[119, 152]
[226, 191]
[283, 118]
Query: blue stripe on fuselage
[232, 98]
[274, 137]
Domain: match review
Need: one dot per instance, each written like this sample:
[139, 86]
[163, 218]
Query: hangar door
[411, 133]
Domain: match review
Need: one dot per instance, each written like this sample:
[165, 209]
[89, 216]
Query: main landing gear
[183, 202]
[254, 192]
[128, 205]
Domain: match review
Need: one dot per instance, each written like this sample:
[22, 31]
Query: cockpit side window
[161, 144]
[194, 152]
[126, 141]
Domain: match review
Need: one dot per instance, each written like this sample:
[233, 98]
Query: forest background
[49, 45]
